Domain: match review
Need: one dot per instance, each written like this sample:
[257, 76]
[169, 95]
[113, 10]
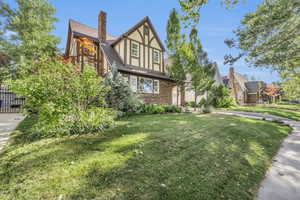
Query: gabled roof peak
[145, 19]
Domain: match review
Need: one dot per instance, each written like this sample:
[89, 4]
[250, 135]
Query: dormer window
[156, 57]
[135, 51]
[146, 30]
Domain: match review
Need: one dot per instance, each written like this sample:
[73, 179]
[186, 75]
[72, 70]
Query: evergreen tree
[201, 69]
[120, 96]
[176, 52]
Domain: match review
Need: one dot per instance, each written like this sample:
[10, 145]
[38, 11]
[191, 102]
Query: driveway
[8, 123]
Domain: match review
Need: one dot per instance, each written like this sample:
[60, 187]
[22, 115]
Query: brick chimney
[102, 27]
[232, 84]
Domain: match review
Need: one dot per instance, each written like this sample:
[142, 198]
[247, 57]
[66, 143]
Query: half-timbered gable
[138, 55]
[141, 47]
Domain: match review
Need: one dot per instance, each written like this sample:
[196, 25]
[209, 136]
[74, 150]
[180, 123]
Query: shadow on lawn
[210, 157]
[188, 168]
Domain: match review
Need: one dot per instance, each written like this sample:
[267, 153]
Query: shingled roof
[87, 31]
[254, 86]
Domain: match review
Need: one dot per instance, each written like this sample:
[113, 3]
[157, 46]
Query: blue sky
[215, 26]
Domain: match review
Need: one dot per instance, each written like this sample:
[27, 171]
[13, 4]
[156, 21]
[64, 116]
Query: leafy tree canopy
[270, 37]
[191, 9]
[29, 26]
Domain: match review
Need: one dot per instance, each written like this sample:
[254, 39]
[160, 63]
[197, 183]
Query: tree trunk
[177, 93]
[195, 101]
[182, 95]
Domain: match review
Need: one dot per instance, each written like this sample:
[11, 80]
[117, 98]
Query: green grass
[295, 107]
[290, 114]
[168, 157]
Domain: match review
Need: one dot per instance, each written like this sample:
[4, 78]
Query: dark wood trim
[152, 52]
[145, 44]
[151, 40]
[139, 55]
[148, 52]
[125, 51]
[82, 58]
[130, 52]
[78, 51]
[159, 54]
[144, 50]
[163, 62]
[140, 33]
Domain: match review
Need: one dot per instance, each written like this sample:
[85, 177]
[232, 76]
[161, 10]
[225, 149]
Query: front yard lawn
[281, 112]
[169, 157]
[287, 106]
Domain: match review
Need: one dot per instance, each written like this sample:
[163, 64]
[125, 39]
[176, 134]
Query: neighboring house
[237, 86]
[138, 55]
[250, 92]
[272, 94]
[255, 91]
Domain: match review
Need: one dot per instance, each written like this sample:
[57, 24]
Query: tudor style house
[138, 55]
[250, 92]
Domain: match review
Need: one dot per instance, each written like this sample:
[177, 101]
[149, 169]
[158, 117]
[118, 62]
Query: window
[146, 85]
[156, 57]
[133, 83]
[156, 86]
[146, 30]
[135, 51]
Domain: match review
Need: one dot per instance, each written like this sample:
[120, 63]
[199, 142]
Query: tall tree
[201, 69]
[31, 24]
[176, 48]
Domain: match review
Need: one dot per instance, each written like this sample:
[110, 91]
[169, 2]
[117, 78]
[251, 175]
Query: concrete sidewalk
[282, 181]
[8, 122]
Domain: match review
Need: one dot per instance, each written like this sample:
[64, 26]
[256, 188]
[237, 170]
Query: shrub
[172, 109]
[225, 102]
[206, 110]
[191, 104]
[120, 97]
[203, 103]
[66, 101]
[219, 97]
[158, 109]
[90, 121]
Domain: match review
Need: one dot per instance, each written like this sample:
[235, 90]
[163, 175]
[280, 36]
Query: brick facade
[165, 91]
[165, 94]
